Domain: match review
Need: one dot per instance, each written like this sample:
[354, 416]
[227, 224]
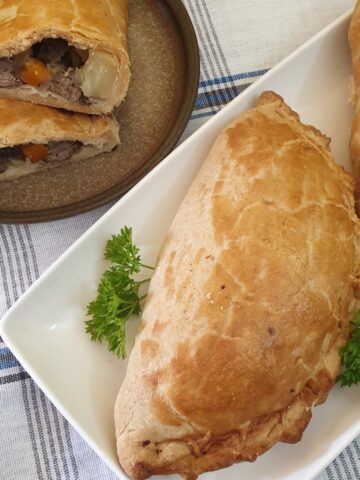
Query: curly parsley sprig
[350, 356]
[117, 294]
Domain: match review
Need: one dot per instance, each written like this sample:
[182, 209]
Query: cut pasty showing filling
[35, 137]
[54, 68]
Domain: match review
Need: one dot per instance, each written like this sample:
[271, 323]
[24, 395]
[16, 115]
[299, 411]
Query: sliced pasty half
[70, 54]
[35, 137]
[249, 303]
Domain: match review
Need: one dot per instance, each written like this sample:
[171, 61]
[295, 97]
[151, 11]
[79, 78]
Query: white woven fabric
[239, 40]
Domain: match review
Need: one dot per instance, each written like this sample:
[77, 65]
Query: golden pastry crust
[249, 304]
[354, 42]
[100, 25]
[22, 122]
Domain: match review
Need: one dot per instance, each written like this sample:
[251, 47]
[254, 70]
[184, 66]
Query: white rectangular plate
[45, 329]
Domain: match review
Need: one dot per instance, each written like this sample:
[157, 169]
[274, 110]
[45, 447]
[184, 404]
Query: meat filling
[61, 150]
[7, 74]
[55, 151]
[54, 57]
[62, 83]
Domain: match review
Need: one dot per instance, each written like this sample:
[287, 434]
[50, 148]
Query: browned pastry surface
[97, 25]
[249, 304]
[22, 122]
[354, 42]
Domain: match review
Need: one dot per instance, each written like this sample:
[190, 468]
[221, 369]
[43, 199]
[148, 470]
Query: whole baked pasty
[249, 304]
[35, 137]
[70, 54]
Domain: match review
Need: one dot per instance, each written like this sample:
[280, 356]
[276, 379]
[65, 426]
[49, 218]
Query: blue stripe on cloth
[211, 98]
[7, 359]
[231, 78]
[202, 101]
[202, 115]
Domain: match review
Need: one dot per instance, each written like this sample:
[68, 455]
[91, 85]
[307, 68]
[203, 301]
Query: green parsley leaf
[121, 251]
[117, 294]
[350, 356]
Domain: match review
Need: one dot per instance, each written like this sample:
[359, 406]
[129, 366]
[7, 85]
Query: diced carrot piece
[36, 152]
[34, 72]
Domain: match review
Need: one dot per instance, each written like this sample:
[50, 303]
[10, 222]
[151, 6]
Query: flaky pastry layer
[22, 122]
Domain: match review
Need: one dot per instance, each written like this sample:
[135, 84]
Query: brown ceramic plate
[165, 73]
